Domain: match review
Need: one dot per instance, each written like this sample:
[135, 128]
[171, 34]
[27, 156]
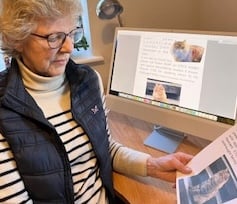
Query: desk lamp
[108, 9]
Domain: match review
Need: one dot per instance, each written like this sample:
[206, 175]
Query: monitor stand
[164, 139]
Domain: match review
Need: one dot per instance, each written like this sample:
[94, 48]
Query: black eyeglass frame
[56, 36]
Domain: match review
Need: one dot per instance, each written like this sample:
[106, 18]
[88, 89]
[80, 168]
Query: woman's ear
[18, 47]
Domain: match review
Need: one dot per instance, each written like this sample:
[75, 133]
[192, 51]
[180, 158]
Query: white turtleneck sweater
[52, 94]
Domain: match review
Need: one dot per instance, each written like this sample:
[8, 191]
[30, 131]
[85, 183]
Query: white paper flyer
[214, 176]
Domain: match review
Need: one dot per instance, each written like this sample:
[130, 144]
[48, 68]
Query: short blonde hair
[18, 18]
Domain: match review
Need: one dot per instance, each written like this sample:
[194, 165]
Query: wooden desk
[138, 190]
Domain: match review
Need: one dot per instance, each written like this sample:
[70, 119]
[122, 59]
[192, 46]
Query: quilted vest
[40, 155]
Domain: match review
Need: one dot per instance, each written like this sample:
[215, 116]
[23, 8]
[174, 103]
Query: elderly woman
[55, 145]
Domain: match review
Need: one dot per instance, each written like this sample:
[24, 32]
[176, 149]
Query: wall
[181, 14]
[218, 15]
[162, 14]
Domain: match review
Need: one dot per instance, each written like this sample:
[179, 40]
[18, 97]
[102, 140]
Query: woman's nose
[68, 45]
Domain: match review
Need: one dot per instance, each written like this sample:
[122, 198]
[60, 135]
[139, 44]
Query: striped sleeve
[12, 189]
[125, 160]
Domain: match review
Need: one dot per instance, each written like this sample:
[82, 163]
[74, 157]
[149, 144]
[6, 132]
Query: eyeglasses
[56, 40]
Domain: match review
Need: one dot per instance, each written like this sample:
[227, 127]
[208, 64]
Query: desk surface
[138, 190]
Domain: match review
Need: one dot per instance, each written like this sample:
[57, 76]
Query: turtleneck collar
[36, 83]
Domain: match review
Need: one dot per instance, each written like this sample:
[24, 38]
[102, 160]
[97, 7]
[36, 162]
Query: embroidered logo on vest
[95, 109]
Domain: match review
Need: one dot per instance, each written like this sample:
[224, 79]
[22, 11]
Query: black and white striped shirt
[53, 97]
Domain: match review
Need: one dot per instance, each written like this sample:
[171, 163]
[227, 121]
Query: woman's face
[39, 57]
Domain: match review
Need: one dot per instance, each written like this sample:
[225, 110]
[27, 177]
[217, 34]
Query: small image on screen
[183, 51]
[163, 91]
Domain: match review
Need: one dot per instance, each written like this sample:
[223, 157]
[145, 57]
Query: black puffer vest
[40, 155]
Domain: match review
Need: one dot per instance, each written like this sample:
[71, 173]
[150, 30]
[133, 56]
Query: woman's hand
[165, 167]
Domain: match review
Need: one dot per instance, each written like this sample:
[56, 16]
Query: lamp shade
[108, 9]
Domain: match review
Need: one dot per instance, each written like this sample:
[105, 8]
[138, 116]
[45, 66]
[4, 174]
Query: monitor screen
[182, 80]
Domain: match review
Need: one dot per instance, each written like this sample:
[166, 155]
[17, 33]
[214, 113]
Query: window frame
[85, 56]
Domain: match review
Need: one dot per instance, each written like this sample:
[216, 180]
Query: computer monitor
[185, 81]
